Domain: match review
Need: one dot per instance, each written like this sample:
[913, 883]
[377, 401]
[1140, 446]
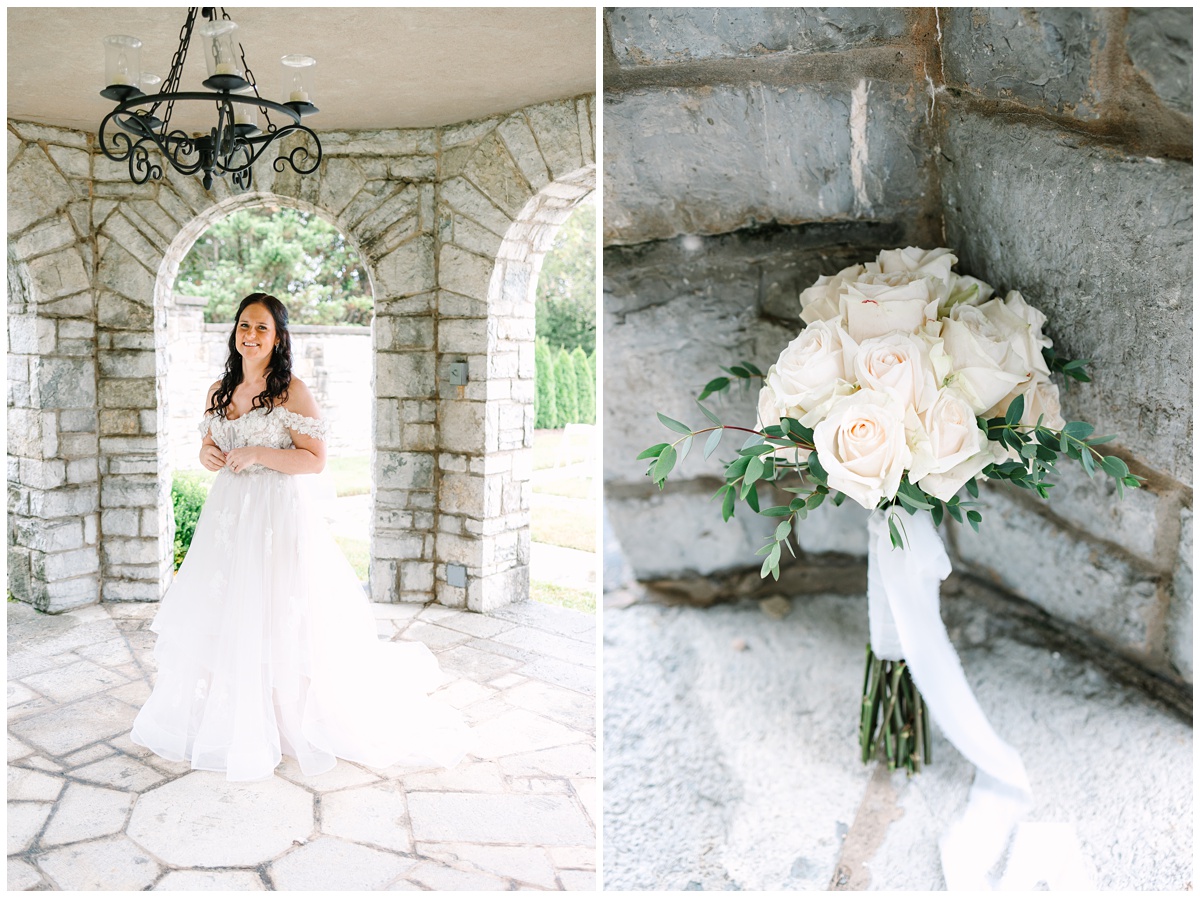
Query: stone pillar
[53, 496]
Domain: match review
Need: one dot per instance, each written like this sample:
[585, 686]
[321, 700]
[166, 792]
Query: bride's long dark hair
[279, 369]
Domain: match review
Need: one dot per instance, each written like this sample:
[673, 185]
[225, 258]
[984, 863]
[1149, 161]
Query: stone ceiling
[376, 67]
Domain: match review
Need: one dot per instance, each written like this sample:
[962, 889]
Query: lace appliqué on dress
[310, 427]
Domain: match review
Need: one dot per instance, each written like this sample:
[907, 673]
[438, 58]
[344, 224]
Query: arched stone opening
[485, 474]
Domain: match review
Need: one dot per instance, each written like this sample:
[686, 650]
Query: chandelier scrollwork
[138, 130]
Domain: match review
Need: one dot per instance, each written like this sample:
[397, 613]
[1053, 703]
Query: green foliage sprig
[772, 453]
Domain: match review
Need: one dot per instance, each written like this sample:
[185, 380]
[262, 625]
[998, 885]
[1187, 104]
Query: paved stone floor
[731, 757]
[88, 809]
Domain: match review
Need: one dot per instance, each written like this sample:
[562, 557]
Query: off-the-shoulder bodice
[259, 428]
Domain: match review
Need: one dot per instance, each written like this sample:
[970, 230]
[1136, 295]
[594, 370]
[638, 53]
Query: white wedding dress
[266, 642]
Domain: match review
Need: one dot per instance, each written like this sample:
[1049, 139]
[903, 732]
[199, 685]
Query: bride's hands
[211, 457]
[240, 459]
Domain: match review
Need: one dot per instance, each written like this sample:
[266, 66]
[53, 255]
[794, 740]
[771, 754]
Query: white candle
[298, 96]
[224, 68]
[121, 78]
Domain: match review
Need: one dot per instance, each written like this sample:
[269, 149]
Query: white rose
[814, 368]
[948, 447]
[820, 301]
[1022, 325]
[862, 446]
[965, 290]
[1041, 399]
[985, 366]
[768, 410]
[935, 263]
[880, 304]
[898, 365]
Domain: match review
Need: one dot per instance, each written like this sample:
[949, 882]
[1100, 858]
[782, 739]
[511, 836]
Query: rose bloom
[862, 446]
[985, 365]
[948, 447]
[814, 368]
[935, 263]
[1041, 400]
[899, 365]
[820, 301]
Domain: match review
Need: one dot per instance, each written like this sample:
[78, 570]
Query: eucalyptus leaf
[708, 414]
[714, 440]
[662, 467]
[676, 426]
[653, 451]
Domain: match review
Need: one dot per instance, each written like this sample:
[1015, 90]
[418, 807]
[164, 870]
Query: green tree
[587, 386]
[566, 287]
[299, 257]
[545, 405]
[566, 389]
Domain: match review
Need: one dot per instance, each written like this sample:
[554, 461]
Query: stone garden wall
[748, 150]
[451, 223]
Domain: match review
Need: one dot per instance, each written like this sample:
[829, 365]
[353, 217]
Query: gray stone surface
[1044, 57]
[657, 35]
[1179, 618]
[518, 813]
[1159, 44]
[714, 159]
[1074, 579]
[1116, 288]
[728, 769]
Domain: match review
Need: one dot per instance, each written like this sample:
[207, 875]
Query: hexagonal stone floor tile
[203, 820]
[22, 875]
[375, 815]
[211, 881]
[525, 864]
[332, 864]
[498, 819]
[114, 864]
[87, 812]
[25, 819]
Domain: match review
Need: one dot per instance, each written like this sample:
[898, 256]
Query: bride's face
[256, 335]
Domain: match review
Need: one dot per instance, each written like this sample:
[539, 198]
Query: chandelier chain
[172, 85]
[250, 77]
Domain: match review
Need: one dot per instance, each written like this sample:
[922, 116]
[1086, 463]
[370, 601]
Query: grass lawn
[357, 552]
[570, 487]
[547, 445]
[351, 474]
[575, 599]
[571, 528]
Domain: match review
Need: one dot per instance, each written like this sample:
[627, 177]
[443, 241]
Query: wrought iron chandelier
[236, 142]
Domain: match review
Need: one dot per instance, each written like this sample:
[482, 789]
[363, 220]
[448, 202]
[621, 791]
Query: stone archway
[446, 221]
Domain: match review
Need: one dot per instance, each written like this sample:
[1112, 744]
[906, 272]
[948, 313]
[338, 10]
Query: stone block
[405, 270]
[557, 130]
[35, 190]
[1110, 290]
[1047, 58]
[77, 445]
[398, 546]
[462, 426]
[78, 305]
[47, 535]
[41, 474]
[462, 494]
[393, 220]
[665, 35]
[496, 174]
[130, 340]
[53, 566]
[474, 237]
[522, 145]
[50, 235]
[1179, 615]
[58, 274]
[463, 272]
[786, 156]
[30, 335]
[413, 168]
[392, 142]
[117, 590]
[463, 337]
[64, 502]
[132, 363]
[403, 470]
[122, 267]
[129, 551]
[1159, 44]
[404, 374]
[466, 199]
[416, 576]
[83, 470]
[127, 393]
[399, 333]
[680, 533]
[1076, 580]
[63, 383]
[129, 491]
[118, 312]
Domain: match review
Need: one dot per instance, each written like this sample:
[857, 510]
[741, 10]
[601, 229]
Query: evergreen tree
[545, 405]
[587, 386]
[566, 389]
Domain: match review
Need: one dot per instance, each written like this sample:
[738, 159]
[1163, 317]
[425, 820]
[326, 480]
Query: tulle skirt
[267, 646]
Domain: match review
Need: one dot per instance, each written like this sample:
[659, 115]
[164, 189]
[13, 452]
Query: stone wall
[748, 150]
[450, 223]
[335, 363]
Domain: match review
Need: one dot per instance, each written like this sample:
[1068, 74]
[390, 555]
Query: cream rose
[814, 368]
[1023, 325]
[768, 410]
[879, 304]
[862, 446]
[898, 365]
[948, 447]
[935, 263]
[985, 366]
[820, 301]
[967, 291]
[1041, 400]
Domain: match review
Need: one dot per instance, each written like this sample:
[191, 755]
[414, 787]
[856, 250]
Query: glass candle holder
[122, 60]
[219, 52]
[299, 77]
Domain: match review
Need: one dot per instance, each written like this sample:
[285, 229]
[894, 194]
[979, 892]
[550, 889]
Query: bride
[266, 643]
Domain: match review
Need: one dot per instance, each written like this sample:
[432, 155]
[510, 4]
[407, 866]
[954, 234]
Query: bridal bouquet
[908, 385]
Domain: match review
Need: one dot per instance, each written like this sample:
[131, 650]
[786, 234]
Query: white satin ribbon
[902, 592]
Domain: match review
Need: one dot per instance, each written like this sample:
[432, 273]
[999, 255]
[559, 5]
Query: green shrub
[545, 404]
[587, 386]
[566, 389]
[188, 492]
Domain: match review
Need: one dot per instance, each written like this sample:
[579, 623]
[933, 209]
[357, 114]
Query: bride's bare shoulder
[300, 399]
